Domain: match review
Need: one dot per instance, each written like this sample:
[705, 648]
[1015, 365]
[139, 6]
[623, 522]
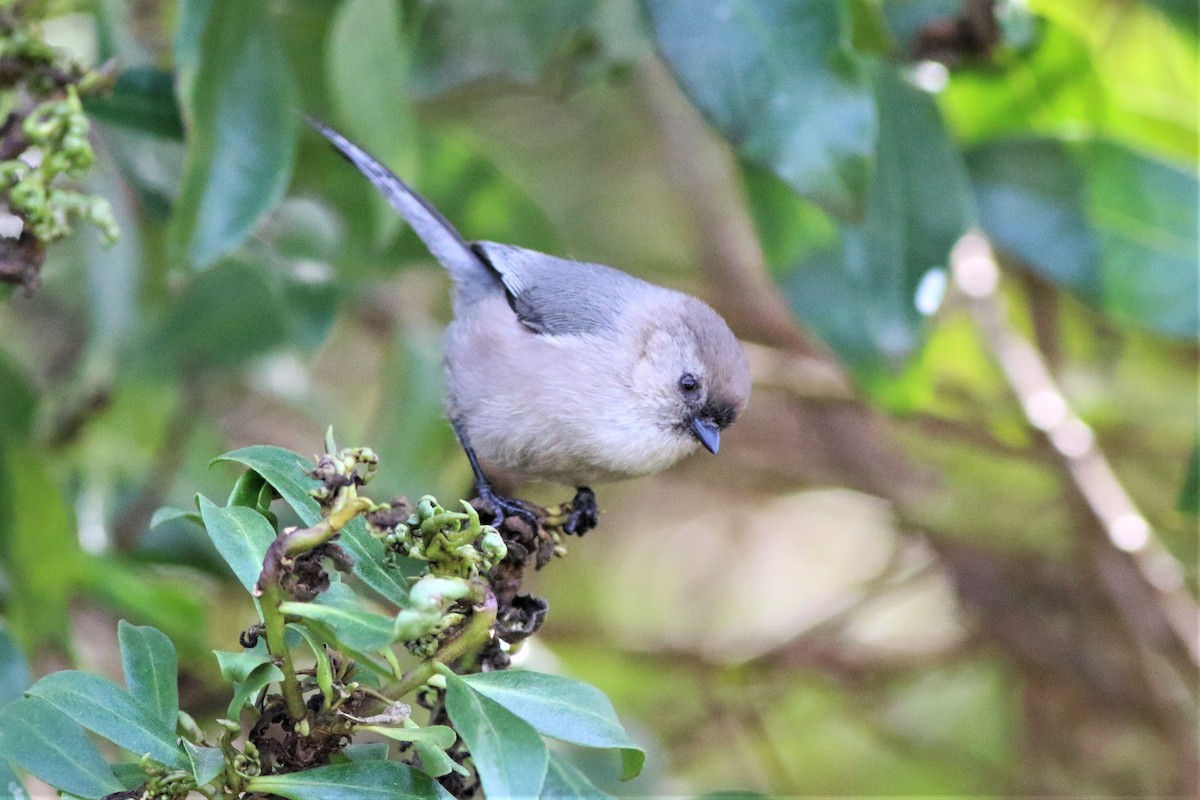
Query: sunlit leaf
[778, 79]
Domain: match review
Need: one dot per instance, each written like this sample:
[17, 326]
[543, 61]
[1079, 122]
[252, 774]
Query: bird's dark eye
[689, 382]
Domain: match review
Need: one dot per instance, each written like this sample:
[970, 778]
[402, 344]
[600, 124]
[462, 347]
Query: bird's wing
[556, 296]
[472, 277]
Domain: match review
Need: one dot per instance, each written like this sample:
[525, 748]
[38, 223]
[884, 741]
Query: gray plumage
[568, 371]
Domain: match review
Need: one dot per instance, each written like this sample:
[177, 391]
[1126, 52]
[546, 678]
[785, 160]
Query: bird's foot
[584, 514]
[504, 507]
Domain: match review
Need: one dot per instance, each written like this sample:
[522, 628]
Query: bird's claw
[504, 507]
[585, 514]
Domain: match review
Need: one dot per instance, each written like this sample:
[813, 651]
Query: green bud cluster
[55, 140]
[453, 542]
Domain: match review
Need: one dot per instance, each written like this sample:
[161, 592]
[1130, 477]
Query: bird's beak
[707, 432]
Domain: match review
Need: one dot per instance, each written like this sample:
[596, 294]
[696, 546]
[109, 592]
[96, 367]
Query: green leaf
[340, 609]
[288, 473]
[250, 671]
[1032, 205]
[438, 736]
[37, 522]
[561, 708]
[45, 742]
[207, 762]
[1189, 492]
[1146, 214]
[151, 671]
[167, 514]
[779, 80]
[101, 706]
[242, 537]
[437, 762]
[368, 751]
[222, 318]
[11, 787]
[14, 669]
[861, 299]
[509, 755]
[362, 780]
[460, 41]
[18, 403]
[241, 109]
[143, 99]
[367, 71]
[564, 781]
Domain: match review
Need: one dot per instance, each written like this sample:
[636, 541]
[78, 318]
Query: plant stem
[471, 639]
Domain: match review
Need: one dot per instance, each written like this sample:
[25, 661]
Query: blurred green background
[909, 572]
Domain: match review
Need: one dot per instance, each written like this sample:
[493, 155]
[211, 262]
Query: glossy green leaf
[778, 79]
[242, 135]
[439, 736]
[14, 669]
[288, 473]
[1146, 214]
[564, 781]
[561, 708]
[207, 762]
[242, 537]
[48, 744]
[143, 98]
[368, 69]
[223, 317]
[367, 751]
[151, 669]
[362, 780]
[101, 706]
[340, 609]
[460, 41]
[1032, 205]
[509, 755]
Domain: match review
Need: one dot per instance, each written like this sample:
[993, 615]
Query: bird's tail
[470, 273]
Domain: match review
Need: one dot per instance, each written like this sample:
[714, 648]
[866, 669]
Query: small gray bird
[565, 371]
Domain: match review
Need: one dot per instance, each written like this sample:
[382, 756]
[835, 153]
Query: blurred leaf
[1189, 493]
[242, 537]
[143, 99]
[509, 755]
[1146, 214]
[340, 609]
[1183, 12]
[561, 708]
[18, 404]
[778, 79]
[363, 780]
[1032, 204]
[456, 42]
[14, 669]
[734, 794]
[242, 134]
[178, 608]
[368, 70]
[207, 762]
[104, 708]
[907, 18]
[49, 745]
[11, 787]
[151, 669]
[38, 549]
[564, 781]
[288, 473]
[223, 317]
[861, 300]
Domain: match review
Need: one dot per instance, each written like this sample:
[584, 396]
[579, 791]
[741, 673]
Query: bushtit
[567, 371]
